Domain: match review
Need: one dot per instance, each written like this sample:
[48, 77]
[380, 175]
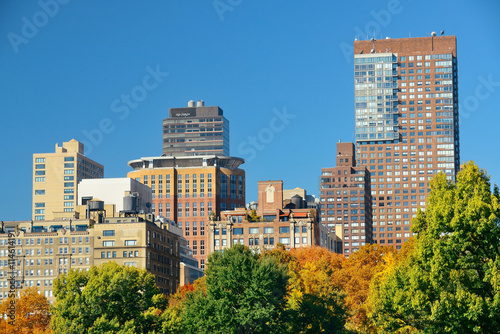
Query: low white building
[113, 190]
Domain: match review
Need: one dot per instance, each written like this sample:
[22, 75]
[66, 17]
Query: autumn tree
[244, 294]
[107, 299]
[171, 319]
[450, 283]
[315, 298]
[32, 313]
[355, 277]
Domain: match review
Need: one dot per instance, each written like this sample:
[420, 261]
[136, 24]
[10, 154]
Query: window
[130, 242]
[39, 205]
[40, 192]
[268, 230]
[68, 184]
[285, 241]
[69, 158]
[40, 160]
[39, 179]
[109, 243]
[253, 230]
[41, 166]
[238, 231]
[284, 229]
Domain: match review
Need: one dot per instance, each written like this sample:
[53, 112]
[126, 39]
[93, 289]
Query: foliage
[244, 294]
[253, 216]
[315, 299]
[32, 313]
[357, 272]
[172, 317]
[106, 299]
[450, 283]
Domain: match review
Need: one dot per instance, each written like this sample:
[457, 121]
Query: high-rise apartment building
[55, 179]
[346, 206]
[187, 189]
[406, 113]
[195, 130]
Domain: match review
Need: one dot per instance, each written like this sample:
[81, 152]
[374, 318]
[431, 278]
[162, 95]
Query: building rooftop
[186, 162]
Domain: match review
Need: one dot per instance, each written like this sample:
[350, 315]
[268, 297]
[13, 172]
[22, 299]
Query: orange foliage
[32, 313]
[313, 270]
[178, 297]
[357, 273]
[280, 253]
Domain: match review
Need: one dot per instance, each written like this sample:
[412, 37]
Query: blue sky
[65, 68]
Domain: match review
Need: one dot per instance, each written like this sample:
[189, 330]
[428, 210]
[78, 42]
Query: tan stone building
[55, 180]
[275, 221]
[45, 249]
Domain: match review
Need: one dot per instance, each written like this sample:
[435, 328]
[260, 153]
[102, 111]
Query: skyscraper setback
[406, 113]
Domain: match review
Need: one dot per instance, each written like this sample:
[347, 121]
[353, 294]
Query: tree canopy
[106, 299]
[32, 313]
[243, 294]
[450, 283]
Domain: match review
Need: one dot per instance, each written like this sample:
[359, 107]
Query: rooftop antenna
[433, 34]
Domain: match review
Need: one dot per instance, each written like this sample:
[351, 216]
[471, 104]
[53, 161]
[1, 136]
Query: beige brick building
[55, 180]
[45, 249]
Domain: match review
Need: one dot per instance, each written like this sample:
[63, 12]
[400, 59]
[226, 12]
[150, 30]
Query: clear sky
[282, 71]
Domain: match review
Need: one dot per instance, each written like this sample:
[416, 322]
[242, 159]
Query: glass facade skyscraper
[406, 114]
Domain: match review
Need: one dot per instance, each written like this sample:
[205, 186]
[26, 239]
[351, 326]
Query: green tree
[450, 283]
[107, 299]
[253, 216]
[244, 294]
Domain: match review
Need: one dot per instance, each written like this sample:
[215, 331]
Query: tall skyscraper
[195, 130]
[406, 112]
[346, 200]
[55, 180]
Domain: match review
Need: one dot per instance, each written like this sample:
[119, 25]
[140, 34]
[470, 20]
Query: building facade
[45, 249]
[187, 189]
[276, 221]
[195, 130]
[346, 206]
[55, 179]
[406, 114]
[114, 191]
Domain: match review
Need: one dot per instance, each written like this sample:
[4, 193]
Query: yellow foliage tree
[32, 313]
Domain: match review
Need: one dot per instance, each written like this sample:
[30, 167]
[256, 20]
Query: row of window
[194, 225]
[111, 243]
[46, 241]
[112, 254]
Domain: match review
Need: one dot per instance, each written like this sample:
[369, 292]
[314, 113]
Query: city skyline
[71, 80]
